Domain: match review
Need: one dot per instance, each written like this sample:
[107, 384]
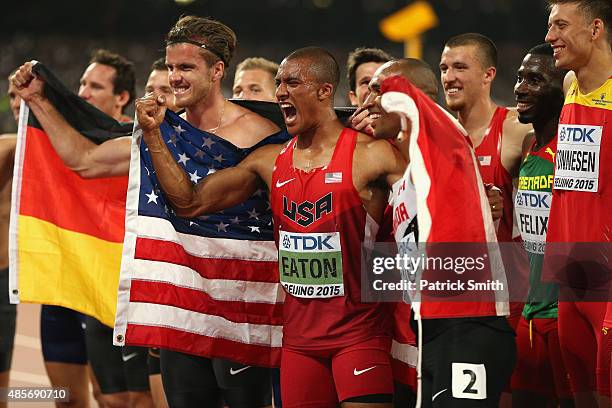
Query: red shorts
[586, 348]
[539, 365]
[324, 378]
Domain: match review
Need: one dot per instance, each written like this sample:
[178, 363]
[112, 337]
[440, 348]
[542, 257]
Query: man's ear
[353, 98]
[218, 70]
[122, 98]
[490, 74]
[325, 91]
[598, 28]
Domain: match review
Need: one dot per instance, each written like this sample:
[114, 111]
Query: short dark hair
[211, 35]
[592, 9]
[546, 50]
[363, 55]
[418, 72]
[125, 76]
[322, 63]
[159, 65]
[486, 47]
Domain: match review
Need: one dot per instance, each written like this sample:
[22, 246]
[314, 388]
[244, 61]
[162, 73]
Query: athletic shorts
[62, 335]
[586, 345]
[468, 364]
[117, 369]
[153, 361]
[8, 318]
[194, 381]
[358, 373]
[539, 367]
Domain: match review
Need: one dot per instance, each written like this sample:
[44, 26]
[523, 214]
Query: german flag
[66, 232]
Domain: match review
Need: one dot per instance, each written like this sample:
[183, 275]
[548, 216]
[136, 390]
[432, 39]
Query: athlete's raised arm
[78, 153]
[223, 189]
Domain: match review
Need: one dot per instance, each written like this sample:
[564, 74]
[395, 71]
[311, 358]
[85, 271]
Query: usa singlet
[493, 172]
[320, 225]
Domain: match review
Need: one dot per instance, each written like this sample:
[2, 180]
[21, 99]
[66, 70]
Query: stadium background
[63, 33]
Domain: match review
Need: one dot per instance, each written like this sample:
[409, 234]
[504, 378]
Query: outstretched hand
[150, 111]
[27, 85]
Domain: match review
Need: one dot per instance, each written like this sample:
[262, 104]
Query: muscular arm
[223, 189]
[78, 153]
[513, 142]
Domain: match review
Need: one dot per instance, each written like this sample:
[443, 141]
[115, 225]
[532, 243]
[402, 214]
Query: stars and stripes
[208, 285]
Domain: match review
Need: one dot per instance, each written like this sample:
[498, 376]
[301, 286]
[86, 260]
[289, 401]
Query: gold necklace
[213, 130]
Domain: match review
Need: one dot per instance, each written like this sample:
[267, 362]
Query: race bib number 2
[577, 158]
[469, 381]
[310, 264]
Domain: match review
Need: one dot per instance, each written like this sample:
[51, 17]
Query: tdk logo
[579, 134]
[532, 200]
[311, 243]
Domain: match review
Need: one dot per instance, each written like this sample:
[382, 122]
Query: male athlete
[580, 33]
[335, 348]
[540, 377]
[254, 80]
[108, 84]
[481, 343]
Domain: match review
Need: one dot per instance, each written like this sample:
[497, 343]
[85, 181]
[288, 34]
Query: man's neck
[206, 114]
[596, 71]
[476, 117]
[545, 131]
[327, 129]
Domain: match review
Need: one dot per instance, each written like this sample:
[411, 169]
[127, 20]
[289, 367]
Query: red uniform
[583, 191]
[321, 225]
[493, 172]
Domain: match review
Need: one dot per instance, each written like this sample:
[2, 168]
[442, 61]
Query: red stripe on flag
[209, 268]
[47, 180]
[201, 302]
[199, 345]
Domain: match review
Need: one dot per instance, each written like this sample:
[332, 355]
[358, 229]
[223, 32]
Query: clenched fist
[150, 111]
[27, 84]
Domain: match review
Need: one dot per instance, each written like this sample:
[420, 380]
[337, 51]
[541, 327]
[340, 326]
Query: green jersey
[532, 206]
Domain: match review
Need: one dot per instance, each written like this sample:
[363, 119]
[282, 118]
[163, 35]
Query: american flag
[206, 286]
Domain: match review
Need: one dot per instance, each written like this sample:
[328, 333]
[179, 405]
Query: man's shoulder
[253, 122]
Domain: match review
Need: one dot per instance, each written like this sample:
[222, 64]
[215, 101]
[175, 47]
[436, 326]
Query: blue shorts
[62, 334]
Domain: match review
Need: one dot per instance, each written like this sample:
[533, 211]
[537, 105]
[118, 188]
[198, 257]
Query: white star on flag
[253, 214]
[183, 159]
[235, 220]
[254, 229]
[199, 153]
[219, 158]
[208, 142]
[221, 227]
[191, 223]
[172, 140]
[259, 192]
[152, 197]
[194, 176]
[179, 129]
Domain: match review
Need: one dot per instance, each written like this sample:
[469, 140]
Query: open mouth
[556, 50]
[179, 90]
[289, 113]
[452, 91]
[523, 106]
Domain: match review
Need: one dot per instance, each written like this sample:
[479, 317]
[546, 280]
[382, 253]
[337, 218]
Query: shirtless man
[314, 188]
